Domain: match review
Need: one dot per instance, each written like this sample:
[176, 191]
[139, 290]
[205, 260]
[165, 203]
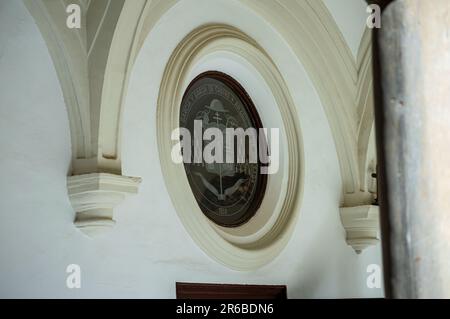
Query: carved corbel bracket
[94, 196]
[361, 224]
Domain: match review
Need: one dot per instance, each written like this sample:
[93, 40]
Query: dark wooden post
[381, 170]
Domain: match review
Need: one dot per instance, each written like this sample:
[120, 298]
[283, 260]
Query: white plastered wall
[350, 16]
[149, 250]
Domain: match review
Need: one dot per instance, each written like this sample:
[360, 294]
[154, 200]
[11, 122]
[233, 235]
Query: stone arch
[306, 26]
[340, 81]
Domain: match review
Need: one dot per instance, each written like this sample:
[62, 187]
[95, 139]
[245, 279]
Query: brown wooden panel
[228, 291]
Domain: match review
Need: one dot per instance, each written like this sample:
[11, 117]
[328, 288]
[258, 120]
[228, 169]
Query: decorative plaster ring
[220, 244]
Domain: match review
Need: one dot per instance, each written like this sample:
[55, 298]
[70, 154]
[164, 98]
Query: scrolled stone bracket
[94, 197]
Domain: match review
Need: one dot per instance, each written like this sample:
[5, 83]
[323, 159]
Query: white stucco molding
[344, 84]
[94, 64]
[94, 196]
[109, 44]
[313, 35]
[361, 224]
[68, 52]
[261, 239]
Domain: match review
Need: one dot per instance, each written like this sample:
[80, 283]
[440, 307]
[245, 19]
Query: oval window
[223, 164]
